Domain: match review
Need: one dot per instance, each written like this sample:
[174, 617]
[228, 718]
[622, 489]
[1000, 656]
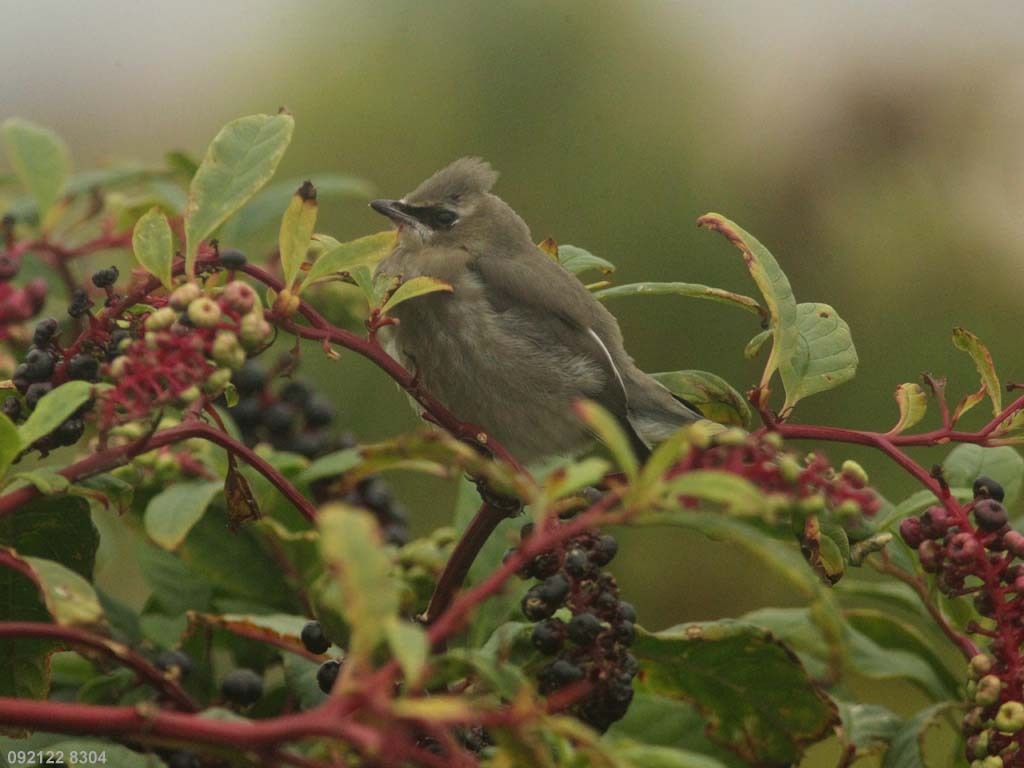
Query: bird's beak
[393, 209]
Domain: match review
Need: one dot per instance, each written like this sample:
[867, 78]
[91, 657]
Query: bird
[519, 339]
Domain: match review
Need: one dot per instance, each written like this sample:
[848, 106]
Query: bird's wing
[546, 296]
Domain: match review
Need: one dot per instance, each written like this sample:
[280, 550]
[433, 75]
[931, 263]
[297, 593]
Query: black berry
[105, 277]
[80, 303]
[314, 639]
[45, 331]
[250, 378]
[559, 674]
[35, 392]
[627, 612]
[987, 488]
[169, 661]
[38, 364]
[327, 674]
[318, 412]
[554, 589]
[70, 431]
[242, 687]
[11, 408]
[232, 258]
[535, 607]
[605, 549]
[548, 636]
[295, 392]
[83, 367]
[577, 563]
[279, 418]
[624, 633]
[584, 628]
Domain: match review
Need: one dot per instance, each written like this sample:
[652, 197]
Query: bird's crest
[466, 176]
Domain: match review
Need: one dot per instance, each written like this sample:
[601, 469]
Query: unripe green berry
[226, 350]
[1010, 717]
[286, 303]
[789, 468]
[731, 437]
[184, 295]
[854, 471]
[992, 761]
[219, 379]
[988, 691]
[118, 367]
[204, 312]
[253, 330]
[981, 745]
[161, 319]
[190, 395]
[980, 665]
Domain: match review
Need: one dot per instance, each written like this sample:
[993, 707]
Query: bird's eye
[445, 218]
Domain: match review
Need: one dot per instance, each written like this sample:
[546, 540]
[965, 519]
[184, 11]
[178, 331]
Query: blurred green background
[874, 147]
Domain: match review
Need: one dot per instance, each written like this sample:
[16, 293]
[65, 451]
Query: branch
[121, 653]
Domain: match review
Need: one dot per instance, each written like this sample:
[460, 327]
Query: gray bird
[520, 338]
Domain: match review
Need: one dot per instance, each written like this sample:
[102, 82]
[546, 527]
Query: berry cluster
[590, 639]
[189, 345]
[786, 479]
[291, 417]
[47, 364]
[978, 560]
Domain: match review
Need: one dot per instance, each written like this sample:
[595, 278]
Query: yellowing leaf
[239, 161]
[153, 245]
[296, 230]
[409, 644]
[972, 345]
[912, 401]
[414, 288]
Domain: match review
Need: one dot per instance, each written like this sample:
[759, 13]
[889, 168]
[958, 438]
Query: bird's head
[455, 208]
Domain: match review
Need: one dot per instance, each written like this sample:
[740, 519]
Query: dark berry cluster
[583, 624]
[189, 346]
[973, 551]
[17, 304]
[374, 494]
[290, 415]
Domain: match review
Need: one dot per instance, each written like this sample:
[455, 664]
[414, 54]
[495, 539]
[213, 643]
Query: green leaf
[883, 647]
[352, 551]
[824, 356]
[609, 432]
[153, 245]
[47, 481]
[114, 755]
[972, 345]
[577, 260]
[754, 345]
[240, 160]
[755, 695]
[573, 476]
[53, 408]
[69, 598]
[41, 160]
[411, 289]
[297, 227]
[691, 290]
[174, 585]
[10, 444]
[171, 514]
[1003, 464]
[283, 630]
[912, 401]
[362, 276]
[711, 394]
[300, 680]
[331, 465]
[366, 251]
[907, 746]
[778, 297]
[409, 644]
[735, 494]
[868, 728]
